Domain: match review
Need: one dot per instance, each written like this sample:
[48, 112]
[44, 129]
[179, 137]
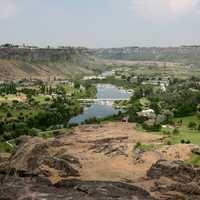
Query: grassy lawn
[46, 134]
[42, 99]
[52, 133]
[194, 160]
[185, 133]
[8, 98]
[4, 147]
[145, 147]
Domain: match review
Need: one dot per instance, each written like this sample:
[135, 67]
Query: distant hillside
[19, 63]
[68, 62]
[183, 54]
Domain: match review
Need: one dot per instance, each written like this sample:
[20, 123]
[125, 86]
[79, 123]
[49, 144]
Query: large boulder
[174, 180]
[40, 189]
[36, 156]
[4, 161]
[173, 169]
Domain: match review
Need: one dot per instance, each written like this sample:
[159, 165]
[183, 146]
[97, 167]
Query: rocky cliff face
[39, 188]
[182, 54]
[174, 181]
[39, 54]
[19, 63]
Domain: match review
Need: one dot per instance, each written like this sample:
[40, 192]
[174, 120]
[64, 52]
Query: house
[149, 114]
[163, 87]
[94, 78]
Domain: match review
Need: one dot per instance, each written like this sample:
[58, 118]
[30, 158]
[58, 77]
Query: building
[149, 114]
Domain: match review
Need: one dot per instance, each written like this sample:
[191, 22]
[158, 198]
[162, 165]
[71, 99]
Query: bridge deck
[104, 99]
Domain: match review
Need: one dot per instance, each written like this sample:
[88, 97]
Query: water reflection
[104, 91]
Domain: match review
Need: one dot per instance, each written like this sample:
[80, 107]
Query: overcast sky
[100, 23]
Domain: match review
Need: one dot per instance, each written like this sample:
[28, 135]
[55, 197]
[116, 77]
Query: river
[104, 91]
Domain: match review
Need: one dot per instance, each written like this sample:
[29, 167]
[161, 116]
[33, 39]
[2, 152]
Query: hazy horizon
[100, 24]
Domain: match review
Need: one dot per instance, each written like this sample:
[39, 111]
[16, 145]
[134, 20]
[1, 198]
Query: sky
[100, 23]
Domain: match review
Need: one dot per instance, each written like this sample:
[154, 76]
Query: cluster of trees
[181, 99]
[194, 126]
[8, 88]
[34, 117]
[86, 89]
[45, 89]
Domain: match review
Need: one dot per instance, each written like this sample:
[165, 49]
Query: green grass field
[194, 160]
[184, 132]
[4, 147]
[7, 98]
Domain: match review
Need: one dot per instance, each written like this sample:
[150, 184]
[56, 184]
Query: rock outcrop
[39, 188]
[174, 180]
[4, 162]
[97, 162]
[37, 156]
[90, 152]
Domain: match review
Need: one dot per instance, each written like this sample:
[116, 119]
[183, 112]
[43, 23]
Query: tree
[169, 116]
[77, 85]
[176, 131]
[132, 111]
[155, 107]
[9, 114]
[198, 127]
[192, 125]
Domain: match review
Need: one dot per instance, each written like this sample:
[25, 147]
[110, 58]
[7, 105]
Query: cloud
[164, 9]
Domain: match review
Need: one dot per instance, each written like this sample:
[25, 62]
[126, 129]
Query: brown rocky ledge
[38, 188]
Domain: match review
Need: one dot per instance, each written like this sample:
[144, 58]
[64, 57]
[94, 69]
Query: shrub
[8, 149]
[9, 115]
[182, 141]
[192, 125]
[57, 132]
[169, 143]
[47, 99]
[166, 132]
[151, 127]
[144, 147]
[185, 141]
[198, 114]
[15, 101]
[188, 142]
[138, 145]
[176, 131]
[21, 113]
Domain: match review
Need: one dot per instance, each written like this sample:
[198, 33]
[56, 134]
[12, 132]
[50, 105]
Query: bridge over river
[107, 101]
